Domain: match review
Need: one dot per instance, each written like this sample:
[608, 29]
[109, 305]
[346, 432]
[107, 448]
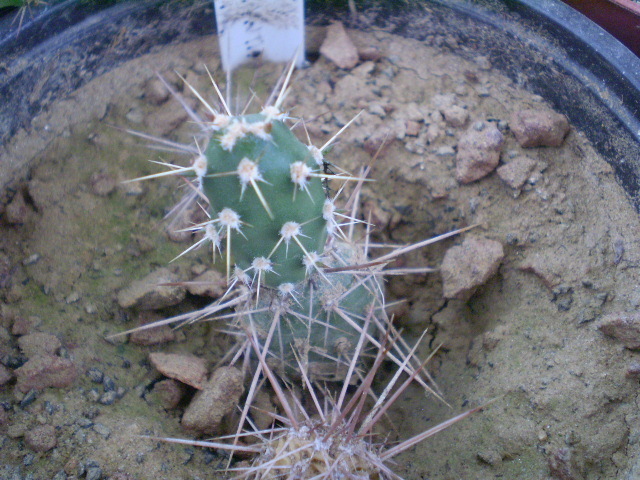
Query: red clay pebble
[42, 371]
[539, 127]
[478, 153]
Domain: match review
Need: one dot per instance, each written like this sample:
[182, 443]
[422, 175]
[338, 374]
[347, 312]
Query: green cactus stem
[265, 197]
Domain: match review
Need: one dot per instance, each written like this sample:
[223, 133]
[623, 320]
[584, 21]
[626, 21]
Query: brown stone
[209, 284]
[5, 375]
[102, 184]
[153, 335]
[478, 153]
[413, 128]
[517, 171]
[42, 371]
[17, 210]
[22, 326]
[152, 292]
[41, 439]
[169, 393]
[217, 400]
[455, 116]
[624, 327]
[39, 343]
[185, 368]
[338, 47]
[155, 91]
[539, 127]
[466, 267]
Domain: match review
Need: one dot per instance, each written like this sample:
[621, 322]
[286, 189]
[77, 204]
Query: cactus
[270, 211]
[303, 292]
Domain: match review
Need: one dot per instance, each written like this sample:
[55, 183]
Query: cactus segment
[257, 168]
[319, 323]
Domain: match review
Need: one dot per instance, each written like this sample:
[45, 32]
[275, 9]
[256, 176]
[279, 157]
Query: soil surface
[74, 238]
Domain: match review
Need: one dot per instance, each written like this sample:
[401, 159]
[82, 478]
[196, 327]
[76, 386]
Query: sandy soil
[564, 407]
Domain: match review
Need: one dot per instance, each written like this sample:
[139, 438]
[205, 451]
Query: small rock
[150, 293]
[433, 132]
[185, 368]
[536, 128]
[263, 406]
[108, 398]
[168, 117]
[5, 376]
[209, 284]
[478, 153]
[102, 184]
[16, 430]
[39, 344]
[517, 171]
[135, 115]
[102, 430]
[84, 422]
[624, 327]
[4, 417]
[31, 259]
[466, 267]
[456, 116]
[482, 62]
[338, 47]
[152, 336]
[71, 467]
[413, 128]
[73, 297]
[378, 143]
[42, 371]
[218, 398]
[562, 466]
[633, 370]
[28, 459]
[155, 91]
[29, 398]
[123, 476]
[371, 54]
[548, 268]
[95, 375]
[17, 210]
[108, 384]
[94, 473]
[22, 326]
[41, 438]
[168, 392]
